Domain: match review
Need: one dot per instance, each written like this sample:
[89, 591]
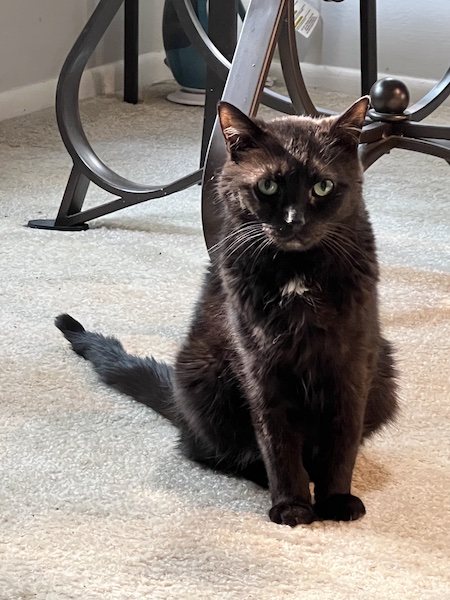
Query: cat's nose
[291, 230]
[294, 217]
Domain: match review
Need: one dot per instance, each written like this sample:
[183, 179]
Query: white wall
[413, 36]
[36, 35]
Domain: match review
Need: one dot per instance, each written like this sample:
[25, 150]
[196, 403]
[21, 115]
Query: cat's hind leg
[211, 457]
[218, 431]
[382, 401]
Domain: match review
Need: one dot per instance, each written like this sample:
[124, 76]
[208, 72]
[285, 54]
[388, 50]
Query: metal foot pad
[50, 224]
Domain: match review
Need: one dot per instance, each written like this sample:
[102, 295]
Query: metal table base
[272, 20]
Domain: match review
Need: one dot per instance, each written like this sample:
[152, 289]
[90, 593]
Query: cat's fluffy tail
[145, 379]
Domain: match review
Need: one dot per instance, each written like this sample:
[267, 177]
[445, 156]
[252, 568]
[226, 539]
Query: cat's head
[294, 177]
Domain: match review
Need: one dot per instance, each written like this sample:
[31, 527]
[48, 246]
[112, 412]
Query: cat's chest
[297, 287]
[280, 293]
[280, 297]
[299, 303]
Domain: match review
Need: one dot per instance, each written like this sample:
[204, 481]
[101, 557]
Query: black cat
[284, 370]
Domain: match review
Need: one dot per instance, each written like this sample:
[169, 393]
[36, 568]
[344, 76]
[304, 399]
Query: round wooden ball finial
[390, 99]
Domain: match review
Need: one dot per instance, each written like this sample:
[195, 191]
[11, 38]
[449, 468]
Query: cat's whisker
[346, 238]
[266, 243]
[343, 226]
[347, 245]
[239, 241]
[345, 230]
[247, 231]
[344, 242]
[247, 247]
[338, 251]
[343, 255]
[305, 388]
[233, 233]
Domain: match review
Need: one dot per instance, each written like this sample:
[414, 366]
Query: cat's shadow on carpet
[201, 487]
[370, 474]
[149, 226]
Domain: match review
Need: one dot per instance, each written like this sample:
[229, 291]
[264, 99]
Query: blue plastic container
[186, 64]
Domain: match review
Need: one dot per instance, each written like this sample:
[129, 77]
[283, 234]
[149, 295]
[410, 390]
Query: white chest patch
[294, 287]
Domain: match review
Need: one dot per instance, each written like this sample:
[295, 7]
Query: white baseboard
[105, 79]
[108, 79]
[347, 81]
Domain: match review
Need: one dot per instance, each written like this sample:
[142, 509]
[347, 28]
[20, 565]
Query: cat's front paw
[292, 513]
[340, 507]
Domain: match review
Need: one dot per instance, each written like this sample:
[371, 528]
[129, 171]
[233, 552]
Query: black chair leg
[131, 52]
[368, 45]
[222, 31]
[244, 88]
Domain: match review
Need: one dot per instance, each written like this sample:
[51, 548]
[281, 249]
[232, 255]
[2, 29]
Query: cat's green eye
[323, 188]
[268, 187]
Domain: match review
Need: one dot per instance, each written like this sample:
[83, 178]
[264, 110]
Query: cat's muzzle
[289, 236]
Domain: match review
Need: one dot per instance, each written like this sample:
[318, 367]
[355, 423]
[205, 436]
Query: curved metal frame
[435, 97]
[215, 60]
[287, 46]
[245, 78]
[411, 134]
[378, 137]
[87, 165]
[244, 88]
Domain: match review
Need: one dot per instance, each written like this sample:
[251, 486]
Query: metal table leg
[243, 88]
[222, 31]
[368, 45]
[131, 52]
[87, 166]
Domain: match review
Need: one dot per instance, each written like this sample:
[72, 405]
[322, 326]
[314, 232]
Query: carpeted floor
[95, 502]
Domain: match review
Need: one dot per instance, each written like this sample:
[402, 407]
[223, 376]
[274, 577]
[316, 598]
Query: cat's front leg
[281, 446]
[338, 447]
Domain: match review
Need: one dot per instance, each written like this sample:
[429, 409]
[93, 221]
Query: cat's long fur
[284, 370]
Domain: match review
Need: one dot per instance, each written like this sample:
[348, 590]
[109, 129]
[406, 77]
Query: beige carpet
[95, 502]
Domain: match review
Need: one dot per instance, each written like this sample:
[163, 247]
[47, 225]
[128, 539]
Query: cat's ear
[348, 126]
[239, 131]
